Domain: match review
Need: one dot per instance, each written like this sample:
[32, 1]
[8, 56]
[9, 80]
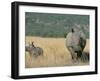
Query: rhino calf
[33, 50]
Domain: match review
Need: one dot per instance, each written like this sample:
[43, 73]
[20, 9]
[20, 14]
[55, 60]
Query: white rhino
[75, 42]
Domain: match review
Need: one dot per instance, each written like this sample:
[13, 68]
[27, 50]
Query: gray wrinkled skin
[75, 42]
[35, 51]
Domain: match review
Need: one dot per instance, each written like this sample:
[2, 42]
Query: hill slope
[54, 25]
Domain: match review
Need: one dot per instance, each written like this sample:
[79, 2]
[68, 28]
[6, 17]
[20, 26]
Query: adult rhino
[75, 42]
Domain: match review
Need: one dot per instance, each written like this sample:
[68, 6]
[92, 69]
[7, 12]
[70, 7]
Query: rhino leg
[73, 54]
[79, 53]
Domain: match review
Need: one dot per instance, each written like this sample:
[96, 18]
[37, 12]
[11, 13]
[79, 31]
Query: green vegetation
[54, 25]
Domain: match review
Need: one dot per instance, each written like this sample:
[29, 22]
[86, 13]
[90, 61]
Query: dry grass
[55, 53]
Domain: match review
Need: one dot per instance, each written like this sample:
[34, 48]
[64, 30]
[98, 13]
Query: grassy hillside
[54, 25]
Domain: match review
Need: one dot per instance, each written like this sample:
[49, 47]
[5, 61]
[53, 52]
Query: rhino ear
[32, 42]
[72, 30]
